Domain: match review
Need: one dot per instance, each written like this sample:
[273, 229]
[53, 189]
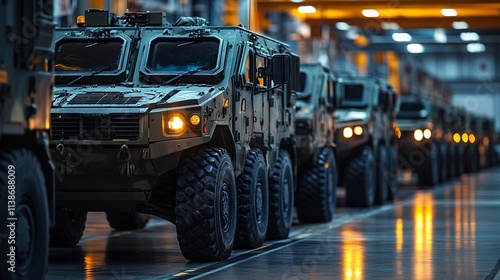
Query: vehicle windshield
[412, 110]
[87, 55]
[75, 57]
[193, 56]
[182, 55]
[354, 96]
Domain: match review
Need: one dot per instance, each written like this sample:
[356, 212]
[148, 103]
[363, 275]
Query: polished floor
[449, 232]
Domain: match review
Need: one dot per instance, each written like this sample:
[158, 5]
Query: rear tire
[206, 205]
[281, 192]
[393, 173]
[253, 202]
[382, 173]
[127, 220]
[316, 195]
[21, 170]
[68, 229]
[428, 172]
[360, 180]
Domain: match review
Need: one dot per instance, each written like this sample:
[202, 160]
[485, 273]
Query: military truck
[189, 122]
[315, 132]
[424, 146]
[27, 174]
[366, 140]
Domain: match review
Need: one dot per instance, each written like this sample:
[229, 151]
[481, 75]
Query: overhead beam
[410, 23]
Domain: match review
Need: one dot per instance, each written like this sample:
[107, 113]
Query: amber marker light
[465, 137]
[80, 20]
[358, 130]
[195, 119]
[472, 138]
[347, 132]
[456, 138]
[418, 135]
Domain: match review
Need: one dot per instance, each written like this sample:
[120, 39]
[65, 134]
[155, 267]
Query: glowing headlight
[465, 137]
[195, 119]
[174, 124]
[358, 130]
[427, 133]
[456, 138]
[347, 132]
[472, 138]
[418, 135]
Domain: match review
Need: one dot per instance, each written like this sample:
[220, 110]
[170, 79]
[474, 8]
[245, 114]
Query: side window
[248, 67]
[252, 64]
[331, 93]
[261, 63]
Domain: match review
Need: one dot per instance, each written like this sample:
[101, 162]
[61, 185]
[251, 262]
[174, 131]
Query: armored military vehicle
[27, 174]
[423, 146]
[366, 140]
[315, 132]
[189, 122]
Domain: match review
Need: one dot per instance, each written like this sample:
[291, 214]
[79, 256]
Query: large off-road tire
[316, 192]
[27, 227]
[68, 229]
[360, 179]
[452, 158]
[281, 193]
[253, 202]
[382, 175]
[443, 163]
[127, 220]
[206, 205]
[428, 171]
[392, 176]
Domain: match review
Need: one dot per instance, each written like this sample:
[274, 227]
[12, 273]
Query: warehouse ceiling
[424, 20]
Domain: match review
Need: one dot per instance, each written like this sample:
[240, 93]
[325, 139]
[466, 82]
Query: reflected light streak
[352, 255]
[465, 223]
[94, 259]
[424, 216]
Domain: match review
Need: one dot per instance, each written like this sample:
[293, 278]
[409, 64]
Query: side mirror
[281, 68]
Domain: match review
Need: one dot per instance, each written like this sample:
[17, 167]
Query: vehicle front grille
[95, 127]
[93, 98]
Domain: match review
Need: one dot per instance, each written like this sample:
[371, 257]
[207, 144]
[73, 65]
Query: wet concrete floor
[449, 232]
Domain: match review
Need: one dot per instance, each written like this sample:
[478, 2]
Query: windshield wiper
[89, 75]
[184, 74]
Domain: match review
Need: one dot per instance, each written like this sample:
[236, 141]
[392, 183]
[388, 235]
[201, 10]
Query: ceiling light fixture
[415, 48]
[440, 35]
[389, 25]
[297, 1]
[449, 12]
[342, 25]
[469, 36]
[370, 13]
[401, 37]
[460, 25]
[307, 9]
[476, 47]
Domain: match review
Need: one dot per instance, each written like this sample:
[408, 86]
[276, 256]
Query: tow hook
[64, 157]
[126, 168]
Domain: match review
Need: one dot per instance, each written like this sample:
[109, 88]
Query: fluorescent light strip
[469, 36]
[449, 12]
[460, 25]
[415, 48]
[401, 37]
[370, 13]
